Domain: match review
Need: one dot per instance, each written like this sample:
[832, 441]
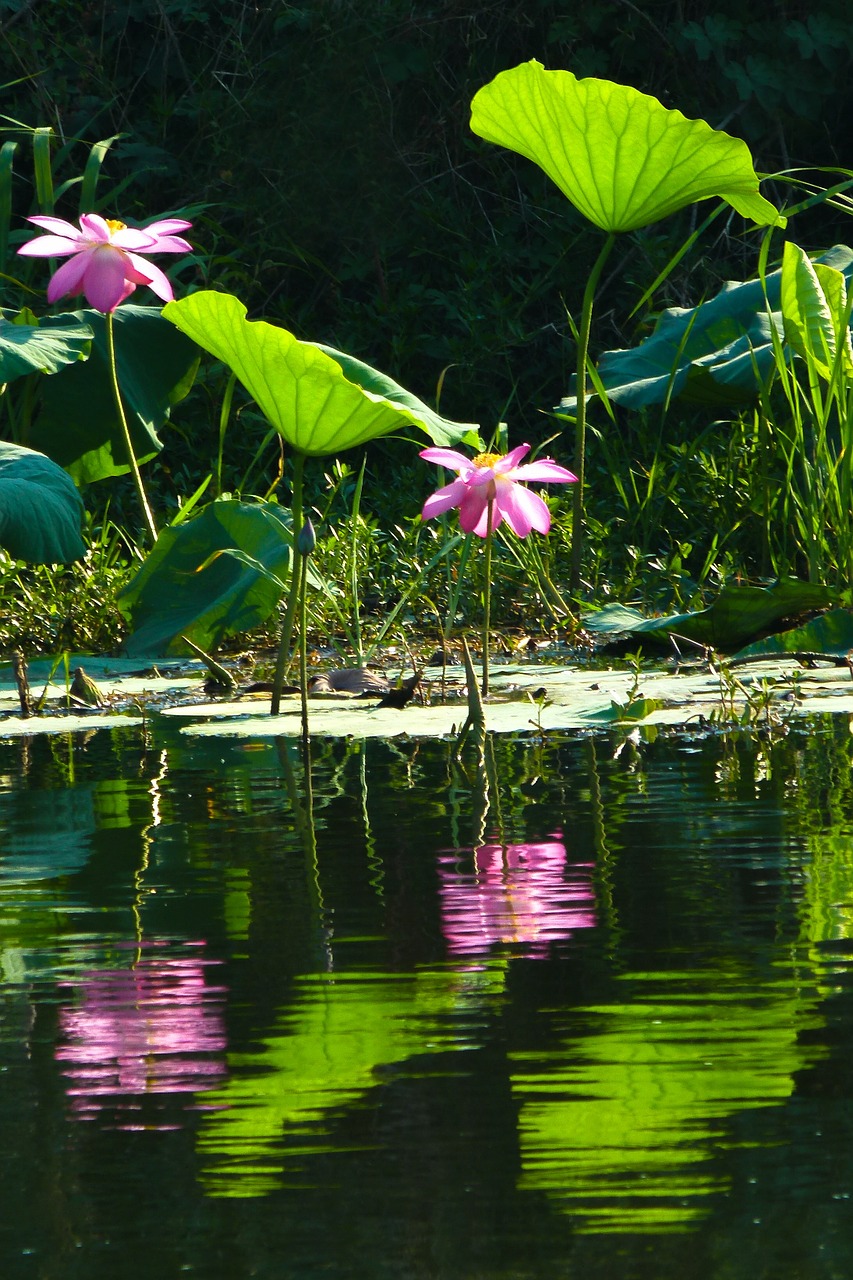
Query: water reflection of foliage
[341, 1034]
[620, 1123]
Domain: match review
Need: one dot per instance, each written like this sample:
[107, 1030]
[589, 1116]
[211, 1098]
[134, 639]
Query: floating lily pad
[525, 699]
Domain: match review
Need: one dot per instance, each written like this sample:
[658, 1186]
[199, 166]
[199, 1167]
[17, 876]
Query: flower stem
[128, 443]
[293, 595]
[303, 647]
[487, 599]
[580, 420]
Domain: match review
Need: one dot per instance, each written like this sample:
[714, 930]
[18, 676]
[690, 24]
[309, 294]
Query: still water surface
[583, 1011]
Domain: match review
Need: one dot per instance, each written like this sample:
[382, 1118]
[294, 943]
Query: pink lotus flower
[493, 478]
[104, 257]
[517, 893]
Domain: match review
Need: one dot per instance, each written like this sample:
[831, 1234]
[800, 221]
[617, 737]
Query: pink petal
[164, 235]
[69, 278]
[523, 509]
[152, 276]
[474, 512]
[95, 227]
[57, 225]
[51, 247]
[447, 458]
[545, 470]
[443, 499]
[133, 238]
[167, 227]
[106, 281]
[509, 460]
[171, 244]
[482, 475]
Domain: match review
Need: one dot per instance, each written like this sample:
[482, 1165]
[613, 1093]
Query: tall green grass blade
[92, 172]
[7, 156]
[45, 196]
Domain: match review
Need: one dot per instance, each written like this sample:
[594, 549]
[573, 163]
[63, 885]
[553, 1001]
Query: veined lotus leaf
[303, 390]
[45, 347]
[40, 509]
[716, 353]
[77, 424]
[621, 157]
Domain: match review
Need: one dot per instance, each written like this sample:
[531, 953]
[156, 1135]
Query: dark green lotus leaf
[45, 347]
[78, 425]
[621, 157]
[714, 354]
[304, 391]
[738, 615]
[180, 590]
[830, 633]
[40, 509]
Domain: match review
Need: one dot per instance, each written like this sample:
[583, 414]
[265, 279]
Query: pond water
[582, 1008]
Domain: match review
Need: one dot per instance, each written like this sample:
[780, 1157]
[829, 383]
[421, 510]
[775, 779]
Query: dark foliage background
[343, 193]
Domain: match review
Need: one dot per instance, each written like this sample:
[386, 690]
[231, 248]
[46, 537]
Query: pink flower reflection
[153, 1028]
[522, 893]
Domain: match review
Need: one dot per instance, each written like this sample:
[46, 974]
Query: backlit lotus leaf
[300, 387]
[621, 157]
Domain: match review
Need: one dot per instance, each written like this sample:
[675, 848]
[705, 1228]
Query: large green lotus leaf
[621, 157]
[46, 347]
[442, 431]
[180, 590]
[830, 633]
[716, 353]
[78, 425]
[40, 509]
[737, 616]
[318, 406]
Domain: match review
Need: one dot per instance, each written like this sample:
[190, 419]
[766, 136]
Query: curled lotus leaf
[320, 402]
[621, 157]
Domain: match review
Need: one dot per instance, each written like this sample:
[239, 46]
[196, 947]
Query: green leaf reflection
[331, 1049]
[620, 1126]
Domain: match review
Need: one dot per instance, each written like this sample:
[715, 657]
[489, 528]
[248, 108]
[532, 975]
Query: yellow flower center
[487, 459]
[114, 225]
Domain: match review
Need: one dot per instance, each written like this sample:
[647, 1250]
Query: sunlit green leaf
[442, 431]
[619, 155]
[315, 403]
[40, 509]
[807, 314]
[830, 633]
